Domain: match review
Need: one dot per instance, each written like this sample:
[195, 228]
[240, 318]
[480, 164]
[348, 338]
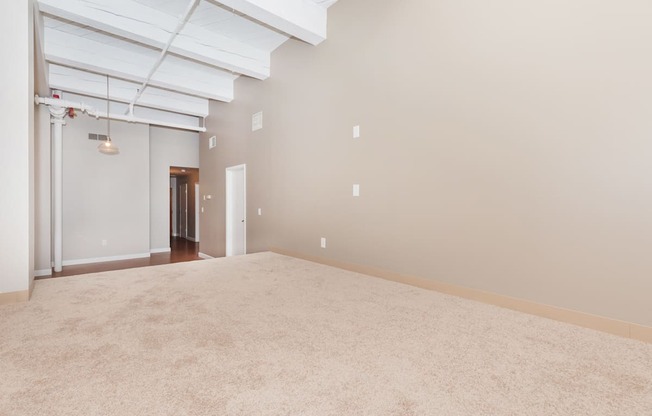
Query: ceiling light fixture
[108, 148]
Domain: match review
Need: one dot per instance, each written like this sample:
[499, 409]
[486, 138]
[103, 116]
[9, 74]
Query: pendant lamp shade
[108, 148]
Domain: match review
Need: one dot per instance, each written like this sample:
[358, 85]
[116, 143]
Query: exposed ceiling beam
[94, 85]
[131, 64]
[83, 107]
[134, 21]
[302, 19]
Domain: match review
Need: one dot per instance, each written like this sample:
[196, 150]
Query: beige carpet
[270, 335]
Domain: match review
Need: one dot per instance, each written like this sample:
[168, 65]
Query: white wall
[43, 196]
[17, 138]
[105, 197]
[168, 147]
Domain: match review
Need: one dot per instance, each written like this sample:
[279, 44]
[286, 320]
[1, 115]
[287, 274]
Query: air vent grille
[96, 136]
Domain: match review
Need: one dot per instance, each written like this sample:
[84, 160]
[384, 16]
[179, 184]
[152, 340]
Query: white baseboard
[105, 259]
[160, 250]
[192, 239]
[205, 256]
[42, 272]
[175, 235]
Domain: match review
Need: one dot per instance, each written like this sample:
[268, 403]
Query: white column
[57, 114]
[17, 153]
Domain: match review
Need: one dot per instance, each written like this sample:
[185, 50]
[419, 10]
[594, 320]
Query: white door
[236, 210]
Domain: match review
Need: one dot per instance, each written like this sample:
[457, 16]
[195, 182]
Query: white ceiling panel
[302, 19]
[227, 22]
[124, 62]
[95, 85]
[165, 54]
[172, 7]
[156, 28]
[324, 3]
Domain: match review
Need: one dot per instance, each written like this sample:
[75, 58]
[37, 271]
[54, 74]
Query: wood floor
[182, 250]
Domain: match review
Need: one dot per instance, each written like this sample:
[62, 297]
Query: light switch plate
[257, 121]
[260, 211]
[356, 189]
[356, 132]
[323, 242]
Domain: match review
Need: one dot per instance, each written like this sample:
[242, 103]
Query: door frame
[183, 204]
[174, 207]
[229, 206]
[197, 204]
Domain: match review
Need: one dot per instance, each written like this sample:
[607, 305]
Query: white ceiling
[212, 43]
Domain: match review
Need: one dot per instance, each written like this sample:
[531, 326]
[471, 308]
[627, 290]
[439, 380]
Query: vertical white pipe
[57, 114]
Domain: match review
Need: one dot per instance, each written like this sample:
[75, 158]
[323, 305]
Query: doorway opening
[184, 213]
[236, 210]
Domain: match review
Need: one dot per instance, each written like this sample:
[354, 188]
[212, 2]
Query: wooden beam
[131, 62]
[149, 26]
[302, 19]
[94, 85]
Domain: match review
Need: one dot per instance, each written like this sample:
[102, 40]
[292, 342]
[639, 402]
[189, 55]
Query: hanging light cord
[108, 117]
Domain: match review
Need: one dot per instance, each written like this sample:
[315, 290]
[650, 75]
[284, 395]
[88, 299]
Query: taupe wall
[506, 146]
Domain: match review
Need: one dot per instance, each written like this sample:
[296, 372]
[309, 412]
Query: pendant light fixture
[108, 148]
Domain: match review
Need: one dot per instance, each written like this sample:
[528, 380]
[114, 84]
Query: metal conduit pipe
[182, 22]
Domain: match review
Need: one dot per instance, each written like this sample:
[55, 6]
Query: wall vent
[96, 136]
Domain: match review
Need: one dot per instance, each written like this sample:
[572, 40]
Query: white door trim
[197, 203]
[229, 207]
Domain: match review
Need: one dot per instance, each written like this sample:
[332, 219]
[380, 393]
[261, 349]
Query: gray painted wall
[105, 197]
[168, 148]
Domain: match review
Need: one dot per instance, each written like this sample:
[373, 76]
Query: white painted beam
[302, 19]
[134, 21]
[94, 85]
[120, 109]
[131, 63]
[62, 105]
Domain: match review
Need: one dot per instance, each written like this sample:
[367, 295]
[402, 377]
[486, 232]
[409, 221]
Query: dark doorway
[184, 212]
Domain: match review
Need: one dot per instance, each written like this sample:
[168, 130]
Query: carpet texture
[266, 334]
